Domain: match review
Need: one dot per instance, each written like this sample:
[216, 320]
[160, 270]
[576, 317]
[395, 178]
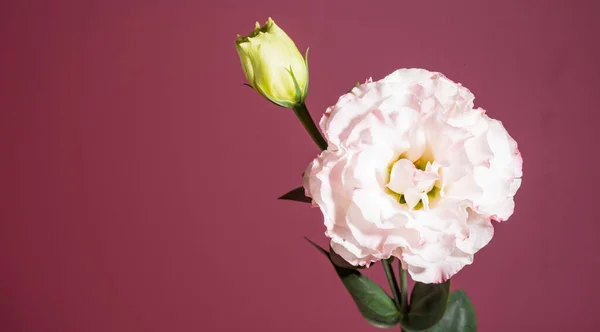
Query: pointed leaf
[296, 195]
[374, 304]
[355, 86]
[428, 303]
[318, 247]
[296, 86]
[459, 317]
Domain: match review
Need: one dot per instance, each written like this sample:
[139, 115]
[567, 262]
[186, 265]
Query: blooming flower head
[413, 171]
[273, 65]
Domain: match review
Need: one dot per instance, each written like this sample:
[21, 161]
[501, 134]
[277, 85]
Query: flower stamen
[413, 183]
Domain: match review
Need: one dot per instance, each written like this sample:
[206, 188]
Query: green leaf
[428, 303]
[296, 86]
[459, 317]
[355, 86]
[296, 195]
[374, 304]
[307, 76]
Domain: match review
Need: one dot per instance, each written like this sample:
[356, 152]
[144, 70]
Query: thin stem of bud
[308, 123]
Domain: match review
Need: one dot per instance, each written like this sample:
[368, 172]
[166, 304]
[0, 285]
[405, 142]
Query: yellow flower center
[414, 184]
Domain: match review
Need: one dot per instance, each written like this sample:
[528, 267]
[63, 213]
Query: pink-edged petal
[480, 234]
[438, 272]
[353, 254]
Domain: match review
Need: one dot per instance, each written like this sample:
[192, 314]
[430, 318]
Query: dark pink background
[138, 176]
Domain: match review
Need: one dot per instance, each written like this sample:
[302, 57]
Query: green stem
[389, 273]
[308, 123]
[403, 289]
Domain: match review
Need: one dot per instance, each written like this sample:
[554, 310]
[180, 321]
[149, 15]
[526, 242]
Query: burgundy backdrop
[138, 175]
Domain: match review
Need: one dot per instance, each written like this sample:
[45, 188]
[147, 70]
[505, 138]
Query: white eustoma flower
[413, 171]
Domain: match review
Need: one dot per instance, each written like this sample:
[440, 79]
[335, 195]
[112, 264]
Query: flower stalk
[389, 273]
[403, 289]
[308, 123]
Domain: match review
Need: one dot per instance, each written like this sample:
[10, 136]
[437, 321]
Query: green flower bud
[273, 65]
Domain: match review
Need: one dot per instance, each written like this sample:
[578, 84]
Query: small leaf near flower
[355, 86]
[428, 304]
[375, 305]
[297, 195]
[459, 316]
